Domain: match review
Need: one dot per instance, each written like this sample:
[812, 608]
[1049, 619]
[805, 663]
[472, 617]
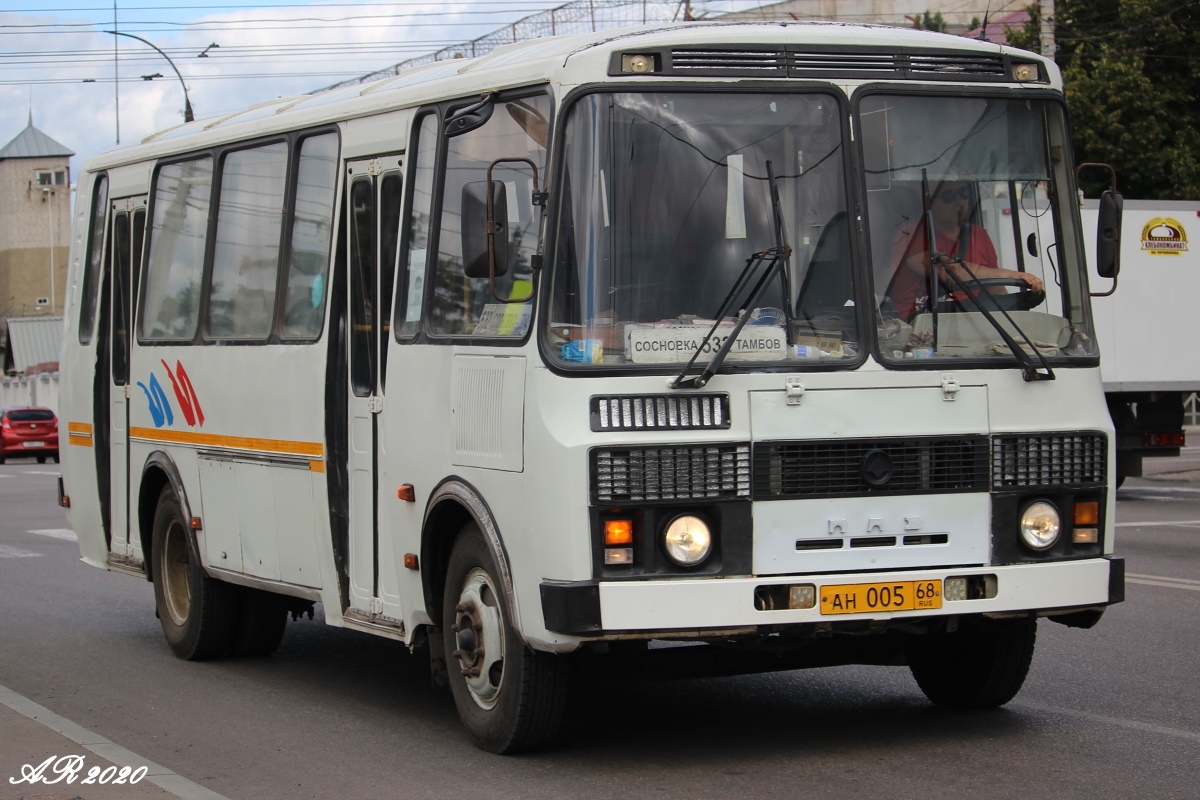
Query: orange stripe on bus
[82, 441]
[316, 466]
[314, 449]
[79, 427]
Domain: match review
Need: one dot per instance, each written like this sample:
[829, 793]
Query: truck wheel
[197, 613]
[509, 697]
[982, 666]
[262, 619]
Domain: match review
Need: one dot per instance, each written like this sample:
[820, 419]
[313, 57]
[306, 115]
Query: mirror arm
[1105, 294]
[491, 226]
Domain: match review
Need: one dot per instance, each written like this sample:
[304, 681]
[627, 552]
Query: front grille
[654, 474]
[660, 412]
[834, 468]
[833, 62]
[820, 65]
[719, 62]
[955, 65]
[1049, 460]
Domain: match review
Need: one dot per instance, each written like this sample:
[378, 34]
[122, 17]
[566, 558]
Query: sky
[57, 61]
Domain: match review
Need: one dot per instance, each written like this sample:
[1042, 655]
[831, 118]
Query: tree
[1131, 75]
[929, 22]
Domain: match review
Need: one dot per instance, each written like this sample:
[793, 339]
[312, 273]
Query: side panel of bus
[227, 370]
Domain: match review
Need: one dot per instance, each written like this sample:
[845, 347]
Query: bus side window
[95, 254]
[178, 231]
[312, 231]
[122, 254]
[463, 305]
[391, 199]
[410, 294]
[362, 286]
[245, 272]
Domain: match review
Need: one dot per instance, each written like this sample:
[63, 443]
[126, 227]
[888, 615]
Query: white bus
[602, 345]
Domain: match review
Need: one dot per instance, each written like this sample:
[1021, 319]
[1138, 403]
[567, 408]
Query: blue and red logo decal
[160, 405]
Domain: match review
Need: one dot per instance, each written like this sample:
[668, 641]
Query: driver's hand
[1035, 283]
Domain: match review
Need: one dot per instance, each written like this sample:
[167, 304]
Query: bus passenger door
[128, 224]
[373, 219]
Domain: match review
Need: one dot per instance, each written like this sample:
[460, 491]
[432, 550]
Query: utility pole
[1046, 30]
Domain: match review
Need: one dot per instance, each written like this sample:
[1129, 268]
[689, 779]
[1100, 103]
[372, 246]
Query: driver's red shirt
[909, 289]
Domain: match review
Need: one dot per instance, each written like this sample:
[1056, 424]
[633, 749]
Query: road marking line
[1158, 490]
[1161, 578]
[65, 534]
[1170, 583]
[159, 775]
[1145, 727]
[1182, 523]
[16, 552]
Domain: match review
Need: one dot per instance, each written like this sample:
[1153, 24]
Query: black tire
[197, 613]
[262, 619]
[982, 666]
[41, 459]
[55, 457]
[515, 698]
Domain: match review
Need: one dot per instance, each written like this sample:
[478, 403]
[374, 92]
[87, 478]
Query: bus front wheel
[982, 666]
[197, 613]
[509, 697]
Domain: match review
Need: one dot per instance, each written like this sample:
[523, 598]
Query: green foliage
[1132, 77]
[932, 22]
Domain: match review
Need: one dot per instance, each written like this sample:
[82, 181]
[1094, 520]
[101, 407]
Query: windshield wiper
[775, 258]
[1030, 370]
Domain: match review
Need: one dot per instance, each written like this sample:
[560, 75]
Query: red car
[28, 432]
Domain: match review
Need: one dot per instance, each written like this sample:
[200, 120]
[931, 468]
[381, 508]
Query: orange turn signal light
[410, 561]
[196, 524]
[407, 493]
[618, 531]
[1087, 513]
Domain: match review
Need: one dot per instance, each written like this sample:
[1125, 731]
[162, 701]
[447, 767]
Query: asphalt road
[1110, 712]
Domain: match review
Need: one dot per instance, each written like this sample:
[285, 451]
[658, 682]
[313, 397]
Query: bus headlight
[687, 540]
[1040, 525]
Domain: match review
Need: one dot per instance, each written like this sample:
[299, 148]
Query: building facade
[35, 224]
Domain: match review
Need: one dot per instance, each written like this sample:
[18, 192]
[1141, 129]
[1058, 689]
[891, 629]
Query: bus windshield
[989, 178]
[665, 197]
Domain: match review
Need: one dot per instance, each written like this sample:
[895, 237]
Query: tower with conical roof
[35, 224]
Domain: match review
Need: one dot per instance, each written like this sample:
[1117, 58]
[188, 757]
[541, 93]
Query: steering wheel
[1022, 300]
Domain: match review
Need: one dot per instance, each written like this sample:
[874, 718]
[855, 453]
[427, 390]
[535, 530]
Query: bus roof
[870, 52]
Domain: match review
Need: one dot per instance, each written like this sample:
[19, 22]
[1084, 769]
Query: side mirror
[483, 255]
[1108, 227]
[1108, 234]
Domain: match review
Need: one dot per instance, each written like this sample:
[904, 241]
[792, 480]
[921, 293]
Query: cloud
[264, 53]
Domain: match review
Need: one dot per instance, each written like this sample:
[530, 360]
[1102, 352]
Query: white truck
[1149, 362]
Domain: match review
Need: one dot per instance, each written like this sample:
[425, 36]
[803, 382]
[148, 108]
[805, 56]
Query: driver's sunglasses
[950, 195]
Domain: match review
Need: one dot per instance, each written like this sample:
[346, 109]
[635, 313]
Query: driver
[957, 241]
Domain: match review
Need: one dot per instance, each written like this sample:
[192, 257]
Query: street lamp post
[187, 104]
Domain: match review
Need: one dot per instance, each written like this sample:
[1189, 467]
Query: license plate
[35, 444]
[860, 598]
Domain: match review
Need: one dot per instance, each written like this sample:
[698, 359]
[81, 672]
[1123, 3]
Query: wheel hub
[478, 630]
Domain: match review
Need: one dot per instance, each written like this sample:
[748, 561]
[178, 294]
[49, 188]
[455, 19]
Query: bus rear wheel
[983, 666]
[510, 698]
[197, 613]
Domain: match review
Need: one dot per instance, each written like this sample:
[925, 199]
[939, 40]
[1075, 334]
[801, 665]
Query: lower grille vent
[1050, 459]
[646, 474]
